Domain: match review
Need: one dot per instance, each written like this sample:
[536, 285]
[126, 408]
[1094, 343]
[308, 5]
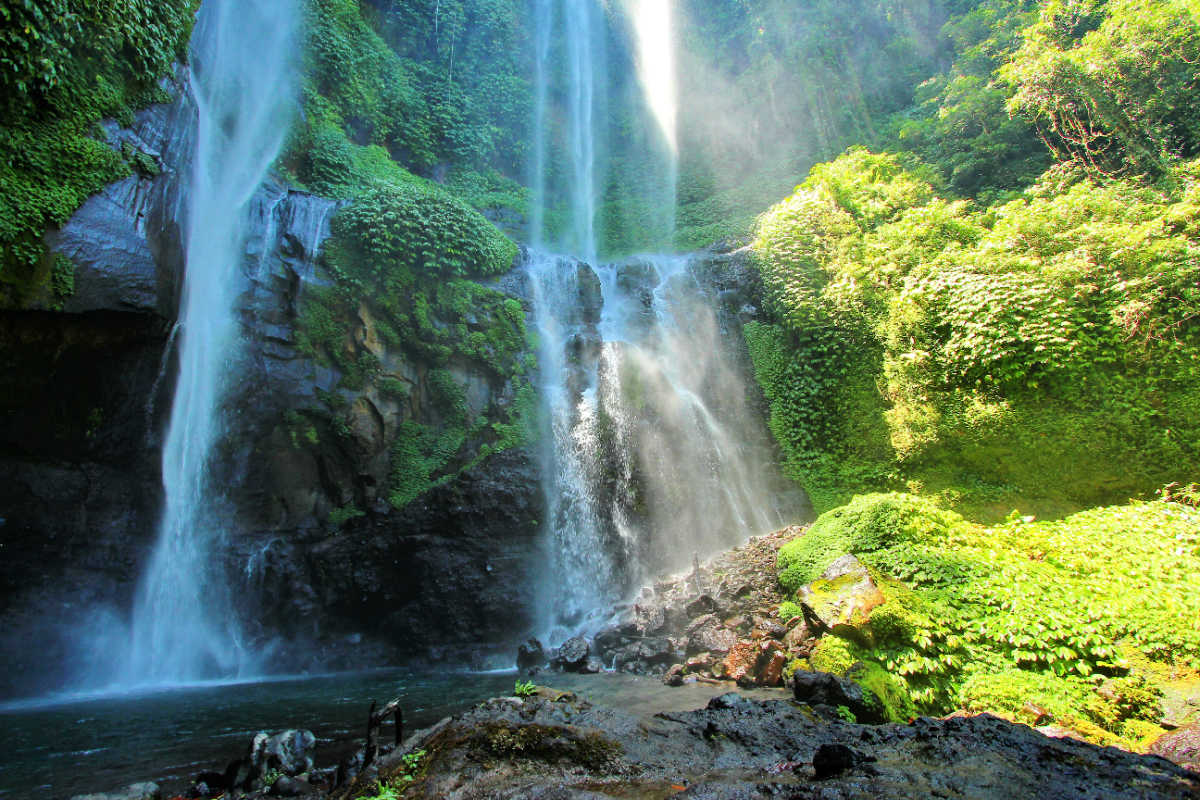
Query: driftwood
[375, 722]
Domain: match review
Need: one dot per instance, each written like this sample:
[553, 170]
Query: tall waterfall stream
[242, 81]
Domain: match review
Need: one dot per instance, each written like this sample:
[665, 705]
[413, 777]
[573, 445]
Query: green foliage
[870, 523]
[1043, 349]
[405, 230]
[64, 66]
[340, 516]
[789, 611]
[407, 90]
[1112, 85]
[524, 689]
[993, 617]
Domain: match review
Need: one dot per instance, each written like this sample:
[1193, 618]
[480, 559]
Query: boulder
[573, 654]
[706, 633]
[822, 689]
[289, 752]
[704, 604]
[843, 597]
[771, 671]
[742, 663]
[531, 656]
[651, 619]
[286, 786]
[1181, 746]
[673, 676]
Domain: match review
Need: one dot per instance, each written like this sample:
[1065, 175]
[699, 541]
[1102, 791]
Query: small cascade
[183, 627]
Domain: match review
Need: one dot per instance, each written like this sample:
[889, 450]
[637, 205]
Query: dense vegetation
[64, 66]
[999, 308]
[1040, 350]
[1089, 621]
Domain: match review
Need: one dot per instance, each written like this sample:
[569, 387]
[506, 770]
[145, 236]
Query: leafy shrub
[403, 230]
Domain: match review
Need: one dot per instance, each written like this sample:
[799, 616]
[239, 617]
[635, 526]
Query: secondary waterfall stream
[242, 82]
[653, 452]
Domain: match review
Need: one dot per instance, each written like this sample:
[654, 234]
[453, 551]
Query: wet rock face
[737, 747]
[86, 395]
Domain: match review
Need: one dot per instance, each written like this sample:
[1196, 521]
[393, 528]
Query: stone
[704, 604]
[1180, 746]
[573, 654]
[706, 634]
[135, 791]
[821, 688]
[843, 597]
[771, 672]
[673, 676]
[698, 662]
[833, 759]
[287, 786]
[531, 656]
[799, 639]
[592, 666]
[651, 619]
[290, 752]
[741, 663]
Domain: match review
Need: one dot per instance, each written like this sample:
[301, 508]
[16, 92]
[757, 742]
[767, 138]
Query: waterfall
[654, 449]
[653, 24]
[183, 626]
[582, 58]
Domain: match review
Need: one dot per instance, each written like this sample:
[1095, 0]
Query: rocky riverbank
[718, 622]
[559, 745]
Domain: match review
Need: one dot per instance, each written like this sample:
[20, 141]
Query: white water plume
[184, 628]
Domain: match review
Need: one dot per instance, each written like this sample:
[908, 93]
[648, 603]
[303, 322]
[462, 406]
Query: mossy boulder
[867, 524]
[843, 597]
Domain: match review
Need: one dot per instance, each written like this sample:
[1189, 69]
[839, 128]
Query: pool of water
[62, 746]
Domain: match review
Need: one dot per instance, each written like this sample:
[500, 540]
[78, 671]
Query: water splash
[183, 626]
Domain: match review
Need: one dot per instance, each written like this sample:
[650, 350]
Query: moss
[868, 524]
[550, 743]
[892, 693]
[833, 654]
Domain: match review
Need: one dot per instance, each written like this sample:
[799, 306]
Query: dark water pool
[55, 749]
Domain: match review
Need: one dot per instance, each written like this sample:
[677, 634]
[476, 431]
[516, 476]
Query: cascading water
[653, 25]
[183, 626]
[653, 454]
[658, 453]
